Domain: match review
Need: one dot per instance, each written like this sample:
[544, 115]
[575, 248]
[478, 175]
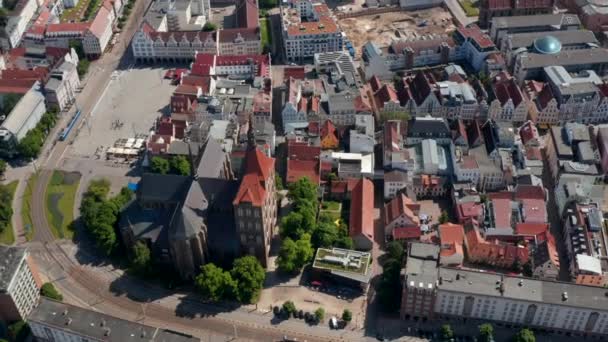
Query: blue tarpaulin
[132, 186]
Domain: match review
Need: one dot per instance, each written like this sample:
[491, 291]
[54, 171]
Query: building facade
[255, 206]
[19, 284]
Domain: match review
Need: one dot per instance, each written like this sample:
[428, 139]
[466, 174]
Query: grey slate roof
[532, 290]
[9, 261]
[162, 188]
[212, 160]
[566, 58]
[421, 250]
[428, 127]
[149, 224]
[536, 20]
[94, 325]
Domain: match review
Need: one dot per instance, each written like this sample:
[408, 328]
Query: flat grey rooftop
[566, 58]
[536, 20]
[9, 261]
[99, 326]
[568, 37]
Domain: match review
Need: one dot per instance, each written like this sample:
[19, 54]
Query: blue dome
[547, 45]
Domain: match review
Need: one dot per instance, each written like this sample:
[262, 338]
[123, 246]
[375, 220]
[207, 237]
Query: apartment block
[19, 284]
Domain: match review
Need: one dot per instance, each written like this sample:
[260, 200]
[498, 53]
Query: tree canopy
[214, 283]
[142, 260]
[160, 165]
[389, 287]
[293, 255]
[486, 332]
[444, 217]
[446, 333]
[525, 335]
[180, 165]
[100, 214]
[347, 315]
[48, 290]
[209, 26]
[249, 276]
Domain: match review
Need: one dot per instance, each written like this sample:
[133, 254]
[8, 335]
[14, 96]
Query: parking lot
[130, 103]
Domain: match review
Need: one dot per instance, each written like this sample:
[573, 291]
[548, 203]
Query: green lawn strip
[265, 32]
[94, 7]
[73, 14]
[60, 197]
[7, 237]
[469, 8]
[26, 207]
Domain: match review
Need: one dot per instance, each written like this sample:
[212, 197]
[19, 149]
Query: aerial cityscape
[304, 170]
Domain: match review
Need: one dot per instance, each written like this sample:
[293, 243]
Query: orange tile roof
[362, 209]
[258, 167]
[402, 205]
[323, 26]
[451, 237]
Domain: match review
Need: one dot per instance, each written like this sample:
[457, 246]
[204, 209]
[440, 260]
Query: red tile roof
[523, 191]
[493, 252]
[296, 72]
[258, 168]
[535, 210]
[362, 209]
[297, 169]
[474, 33]
[506, 88]
[468, 210]
[67, 27]
[451, 237]
[502, 212]
[532, 229]
[528, 132]
[406, 233]
[101, 22]
[375, 83]
[15, 86]
[402, 206]
[36, 74]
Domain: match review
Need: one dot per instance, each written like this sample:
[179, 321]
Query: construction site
[384, 28]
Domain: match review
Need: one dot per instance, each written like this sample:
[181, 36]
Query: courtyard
[128, 108]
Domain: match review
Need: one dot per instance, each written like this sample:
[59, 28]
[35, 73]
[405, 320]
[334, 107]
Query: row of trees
[6, 207]
[242, 283]
[100, 214]
[125, 13]
[48, 290]
[486, 334]
[302, 233]
[178, 165]
[29, 147]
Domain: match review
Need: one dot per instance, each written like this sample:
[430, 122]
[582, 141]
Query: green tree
[394, 249]
[347, 316]
[386, 116]
[525, 335]
[77, 46]
[325, 235]
[249, 276]
[18, 331]
[141, 261]
[268, 4]
[3, 167]
[9, 102]
[48, 290]
[446, 333]
[214, 283]
[444, 217]
[83, 65]
[105, 237]
[29, 147]
[297, 223]
[486, 332]
[293, 255]
[289, 307]
[209, 26]
[179, 165]
[304, 189]
[160, 165]
[278, 182]
[320, 314]
[389, 287]
[344, 242]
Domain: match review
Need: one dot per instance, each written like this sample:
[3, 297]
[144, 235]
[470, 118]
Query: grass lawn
[7, 237]
[330, 205]
[265, 32]
[60, 196]
[75, 14]
[471, 9]
[26, 206]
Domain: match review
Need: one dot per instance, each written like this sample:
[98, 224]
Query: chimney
[68, 321]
